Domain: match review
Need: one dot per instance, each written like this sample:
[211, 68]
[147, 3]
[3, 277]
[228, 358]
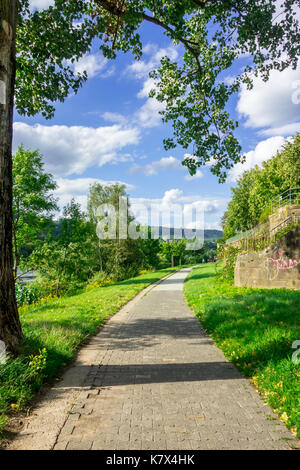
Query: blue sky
[111, 131]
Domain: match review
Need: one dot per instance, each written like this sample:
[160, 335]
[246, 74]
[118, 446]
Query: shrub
[98, 280]
[19, 378]
[45, 287]
[26, 294]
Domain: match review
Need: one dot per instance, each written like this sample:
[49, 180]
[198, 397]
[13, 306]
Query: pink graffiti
[278, 263]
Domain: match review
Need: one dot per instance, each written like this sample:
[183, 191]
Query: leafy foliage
[207, 252]
[120, 258]
[212, 35]
[174, 248]
[26, 294]
[33, 202]
[19, 379]
[228, 254]
[251, 198]
[68, 260]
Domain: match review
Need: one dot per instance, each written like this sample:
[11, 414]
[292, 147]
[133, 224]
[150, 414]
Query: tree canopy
[256, 188]
[33, 202]
[213, 35]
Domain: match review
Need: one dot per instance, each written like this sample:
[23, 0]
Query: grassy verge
[255, 328]
[53, 332]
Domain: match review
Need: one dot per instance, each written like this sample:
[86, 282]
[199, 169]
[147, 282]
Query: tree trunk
[10, 328]
[172, 261]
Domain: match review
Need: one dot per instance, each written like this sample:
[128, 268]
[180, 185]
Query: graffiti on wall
[278, 262]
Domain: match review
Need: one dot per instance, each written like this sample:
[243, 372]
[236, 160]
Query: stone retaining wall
[278, 266]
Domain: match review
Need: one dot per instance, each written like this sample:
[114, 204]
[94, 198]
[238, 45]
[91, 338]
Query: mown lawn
[255, 328]
[53, 332]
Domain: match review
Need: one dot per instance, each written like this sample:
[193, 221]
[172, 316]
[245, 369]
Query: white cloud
[40, 4]
[78, 189]
[209, 206]
[148, 115]
[148, 85]
[93, 64]
[165, 163]
[140, 69]
[114, 117]
[271, 104]
[171, 197]
[288, 129]
[71, 150]
[263, 151]
[198, 175]
[183, 207]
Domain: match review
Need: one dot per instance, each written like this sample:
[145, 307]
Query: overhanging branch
[118, 9]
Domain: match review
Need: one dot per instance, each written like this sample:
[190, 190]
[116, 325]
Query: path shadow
[141, 333]
[133, 374]
[192, 277]
[170, 280]
[113, 375]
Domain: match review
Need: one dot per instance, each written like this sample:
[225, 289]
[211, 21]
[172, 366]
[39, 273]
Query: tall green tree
[174, 248]
[150, 248]
[33, 202]
[118, 257]
[256, 188]
[100, 195]
[238, 214]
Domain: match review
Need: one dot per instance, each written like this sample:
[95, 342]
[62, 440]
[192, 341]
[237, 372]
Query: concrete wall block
[276, 267]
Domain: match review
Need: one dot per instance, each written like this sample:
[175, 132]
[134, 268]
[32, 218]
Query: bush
[98, 280]
[163, 261]
[229, 254]
[26, 294]
[122, 272]
[19, 379]
[264, 217]
[45, 287]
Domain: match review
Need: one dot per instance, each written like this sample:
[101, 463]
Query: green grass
[60, 326]
[255, 328]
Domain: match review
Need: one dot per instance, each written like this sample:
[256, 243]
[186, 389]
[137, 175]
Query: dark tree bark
[10, 328]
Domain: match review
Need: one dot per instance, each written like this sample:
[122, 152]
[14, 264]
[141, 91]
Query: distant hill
[212, 235]
[209, 235]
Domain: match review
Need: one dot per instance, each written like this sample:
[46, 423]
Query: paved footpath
[152, 379]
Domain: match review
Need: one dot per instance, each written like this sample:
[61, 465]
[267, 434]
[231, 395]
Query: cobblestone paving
[158, 382]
